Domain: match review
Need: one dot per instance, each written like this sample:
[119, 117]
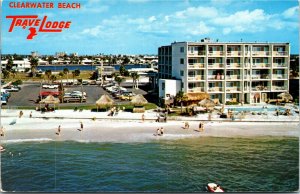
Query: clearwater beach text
[43, 5]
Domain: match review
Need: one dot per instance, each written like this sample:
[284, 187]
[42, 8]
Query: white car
[50, 86]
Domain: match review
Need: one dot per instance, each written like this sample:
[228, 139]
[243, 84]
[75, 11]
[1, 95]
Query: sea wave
[27, 140]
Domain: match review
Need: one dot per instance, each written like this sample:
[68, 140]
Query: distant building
[19, 65]
[60, 54]
[230, 71]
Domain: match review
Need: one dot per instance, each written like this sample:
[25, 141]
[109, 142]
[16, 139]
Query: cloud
[291, 12]
[95, 31]
[199, 12]
[200, 29]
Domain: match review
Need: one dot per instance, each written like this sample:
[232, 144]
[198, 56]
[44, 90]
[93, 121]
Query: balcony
[280, 53]
[279, 88]
[215, 89]
[279, 76]
[216, 77]
[197, 53]
[280, 65]
[195, 65]
[233, 65]
[234, 53]
[232, 77]
[260, 53]
[260, 65]
[196, 78]
[261, 88]
[196, 89]
[233, 89]
[215, 65]
[215, 53]
[261, 76]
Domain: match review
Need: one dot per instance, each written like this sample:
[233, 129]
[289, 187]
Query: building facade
[248, 72]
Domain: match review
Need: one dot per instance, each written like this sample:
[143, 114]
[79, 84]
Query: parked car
[5, 93]
[85, 82]
[3, 100]
[74, 99]
[126, 96]
[78, 93]
[11, 89]
[50, 86]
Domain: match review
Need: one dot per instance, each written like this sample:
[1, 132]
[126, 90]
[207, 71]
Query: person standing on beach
[81, 126]
[20, 114]
[201, 127]
[143, 117]
[186, 125]
[158, 131]
[162, 131]
[2, 131]
[30, 115]
[58, 130]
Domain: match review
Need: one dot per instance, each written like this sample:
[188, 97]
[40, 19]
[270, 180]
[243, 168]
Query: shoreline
[42, 127]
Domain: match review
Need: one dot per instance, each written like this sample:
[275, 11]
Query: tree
[75, 73]
[66, 72]
[122, 70]
[53, 78]
[9, 64]
[50, 59]
[126, 60]
[5, 73]
[119, 80]
[135, 76]
[33, 64]
[13, 72]
[48, 73]
[180, 97]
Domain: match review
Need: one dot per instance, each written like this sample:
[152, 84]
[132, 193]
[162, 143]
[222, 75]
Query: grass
[24, 77]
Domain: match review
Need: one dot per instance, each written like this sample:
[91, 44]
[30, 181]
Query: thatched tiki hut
[209, 104]
[194, 98]
[139, 101]
[49, 100]
[104, 102]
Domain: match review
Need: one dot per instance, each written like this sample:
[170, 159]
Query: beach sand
[43, 127]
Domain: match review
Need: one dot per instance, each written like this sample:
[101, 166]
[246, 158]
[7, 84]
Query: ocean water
[256, 164]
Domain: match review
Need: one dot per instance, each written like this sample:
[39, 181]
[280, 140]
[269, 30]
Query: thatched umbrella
[286, 96]
[138, 100]
[207, 103]
[104, 101]
[50, 100]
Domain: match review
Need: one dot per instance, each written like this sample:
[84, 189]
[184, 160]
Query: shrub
[232, 103]
[17, 82]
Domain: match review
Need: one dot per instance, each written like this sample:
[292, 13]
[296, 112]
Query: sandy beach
[127, 127]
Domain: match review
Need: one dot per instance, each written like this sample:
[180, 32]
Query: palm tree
[180, 97]
[119, 80]
[33, 64]
[75, 73]
[53, 78]
[135, 76]
[48, 73]
[66, 72]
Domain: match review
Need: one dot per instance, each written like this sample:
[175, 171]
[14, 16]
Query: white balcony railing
[279, 76]
[215, 65]
[196, 78]
[196, 89]
[233, 89]
[261, 88]
[231, 77]
[215, 89]
[215, 53]
[197, 53]
[195, 65]
[233, 65]
[260, 53]
[261, 76]
[280, 53]
[279, 88]
[260, 65]
[234, 53]
[279, 65]
[216, 77]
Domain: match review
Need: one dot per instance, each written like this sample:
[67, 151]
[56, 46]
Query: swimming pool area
[256, 109]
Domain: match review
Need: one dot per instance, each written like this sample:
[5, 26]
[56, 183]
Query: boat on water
[213, 188]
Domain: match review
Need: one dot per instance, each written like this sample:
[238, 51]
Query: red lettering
[15, 18]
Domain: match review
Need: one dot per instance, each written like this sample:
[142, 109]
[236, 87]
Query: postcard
[186, 96]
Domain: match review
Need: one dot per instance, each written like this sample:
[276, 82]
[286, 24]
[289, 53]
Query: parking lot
[28, 95]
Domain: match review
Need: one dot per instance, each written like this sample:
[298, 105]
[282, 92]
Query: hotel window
[182, 49]
[163, 86]
[181, 73]
[181, 61]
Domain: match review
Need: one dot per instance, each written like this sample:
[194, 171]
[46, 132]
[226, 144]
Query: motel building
[242, 72]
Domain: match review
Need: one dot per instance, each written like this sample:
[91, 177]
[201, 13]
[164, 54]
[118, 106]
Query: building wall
[249, 72]
[171, 87]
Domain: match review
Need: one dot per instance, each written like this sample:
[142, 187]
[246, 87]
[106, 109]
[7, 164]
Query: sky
[141, 26]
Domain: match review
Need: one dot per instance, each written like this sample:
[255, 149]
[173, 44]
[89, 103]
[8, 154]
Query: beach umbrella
[104, 101]
[207, 103]
[286, 96]
[138, 100]
[50, 100]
